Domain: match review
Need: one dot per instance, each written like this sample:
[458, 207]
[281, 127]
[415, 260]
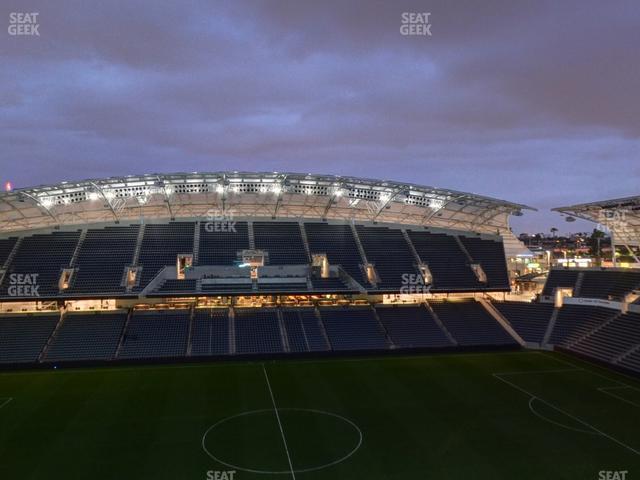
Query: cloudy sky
[535, 102]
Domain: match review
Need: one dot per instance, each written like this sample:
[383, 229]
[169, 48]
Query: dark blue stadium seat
[102, 259]
[6, 247]
[470, 324]
[609, 284]
[388, 250]
[210, 335]
[338, 243]
[22, 337]
[161, 245]
[45, 255]
[353, 329]
[491, 257]
[220, 246]
[283, 241]
[574, 321]
[560, 278]
[257, 331]
[447, 262]
[412, 327]
[613, 339]
[530, 320]
[303, 331]
[82, 336]
[156, 334]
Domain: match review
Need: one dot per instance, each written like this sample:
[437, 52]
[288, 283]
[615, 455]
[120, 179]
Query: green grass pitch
[520, 415]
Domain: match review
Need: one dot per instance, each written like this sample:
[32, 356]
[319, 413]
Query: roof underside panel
[621, 216]
[279, 195]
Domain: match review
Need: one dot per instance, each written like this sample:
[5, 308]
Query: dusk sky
[534, 102]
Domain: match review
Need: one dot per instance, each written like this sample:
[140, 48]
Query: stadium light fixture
[436, 203]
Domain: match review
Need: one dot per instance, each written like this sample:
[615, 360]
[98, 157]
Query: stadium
[259, 325]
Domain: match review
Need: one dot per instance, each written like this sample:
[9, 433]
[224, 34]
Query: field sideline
[525, 415]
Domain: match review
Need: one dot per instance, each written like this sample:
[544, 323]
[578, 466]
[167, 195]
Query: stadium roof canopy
[621, 216]
[243, 194]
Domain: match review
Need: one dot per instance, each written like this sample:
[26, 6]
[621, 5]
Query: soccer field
[525, 415]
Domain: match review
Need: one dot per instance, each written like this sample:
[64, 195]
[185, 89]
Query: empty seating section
[295, 333]
[470, 324]
[45, 255]
[609, 284]
[303, 331]
[338, 243]
[257, 331]
[632, 361]
[560, 278]
[530, 320]
[177, 286]
[299, 285]
[92, 336]
[158, 334]
[388, 250]
[105, 252]
[613, 339]
[6, 247]
[22, 337]
[575, 321]
[283, 241]
[102, 259]
[597, 332]
[226, 288]
[353, 329]
[220, 246]
[332, 284]
[161, 245]
[447, 262]
[313, 330]
[210, 334]
[412, 327]
[490, 255]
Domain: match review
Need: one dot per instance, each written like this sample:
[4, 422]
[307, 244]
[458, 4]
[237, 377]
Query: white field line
[275, 409]
[5, 401]
[606, 391]
[573, 417]
[528, 372]
[620, 386]
[539, 415]
[597, 374]
[252, 363]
